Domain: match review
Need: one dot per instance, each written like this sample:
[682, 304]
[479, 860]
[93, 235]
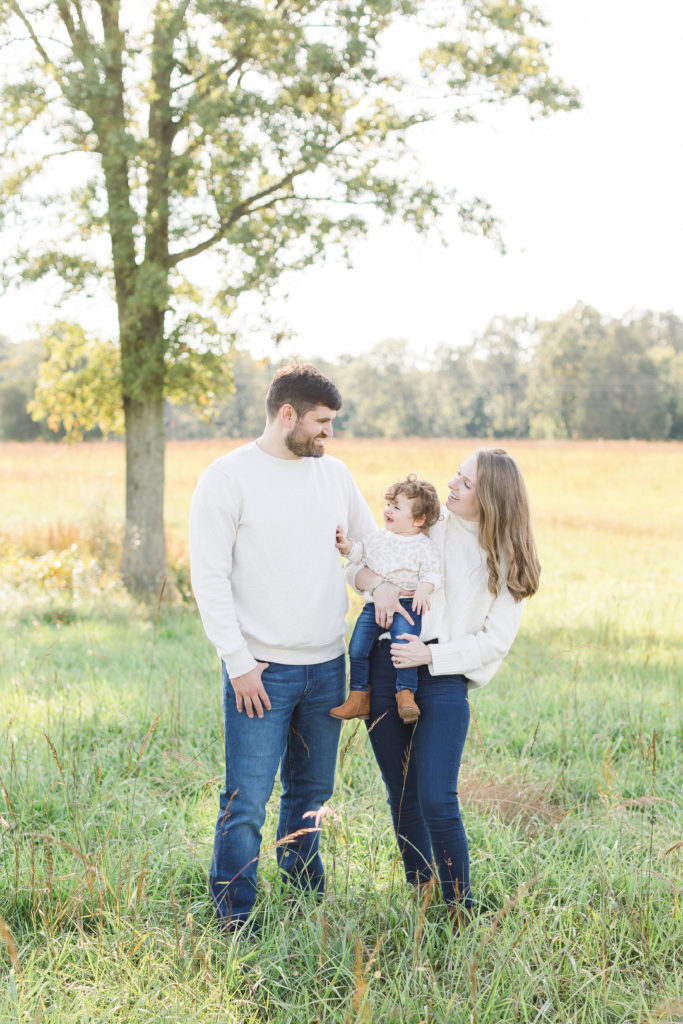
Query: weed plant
[111, 761]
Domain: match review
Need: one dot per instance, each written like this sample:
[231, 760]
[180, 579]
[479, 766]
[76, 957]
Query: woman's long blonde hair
[505, 531]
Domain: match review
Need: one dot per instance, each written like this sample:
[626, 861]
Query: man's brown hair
[302, 386]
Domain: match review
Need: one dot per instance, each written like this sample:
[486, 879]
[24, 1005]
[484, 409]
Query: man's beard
[301, 444]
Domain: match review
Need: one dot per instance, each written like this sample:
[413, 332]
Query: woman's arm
[477, 655]
[481, 652]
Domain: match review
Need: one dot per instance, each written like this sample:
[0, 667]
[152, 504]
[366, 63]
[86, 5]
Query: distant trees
[599, 377]
[582, 375]
[18, 375]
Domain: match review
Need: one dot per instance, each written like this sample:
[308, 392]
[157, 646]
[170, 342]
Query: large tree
[257, 129]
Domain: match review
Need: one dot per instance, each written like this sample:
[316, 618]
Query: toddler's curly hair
[422, 494]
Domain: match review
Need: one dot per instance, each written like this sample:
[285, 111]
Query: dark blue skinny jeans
[365, 635]
[423, 797]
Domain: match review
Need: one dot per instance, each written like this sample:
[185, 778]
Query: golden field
[609, 515]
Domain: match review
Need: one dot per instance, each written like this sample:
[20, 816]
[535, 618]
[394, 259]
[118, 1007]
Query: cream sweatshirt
[474, 629]
[264, 567]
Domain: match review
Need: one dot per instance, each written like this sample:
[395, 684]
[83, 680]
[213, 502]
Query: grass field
[111, 760]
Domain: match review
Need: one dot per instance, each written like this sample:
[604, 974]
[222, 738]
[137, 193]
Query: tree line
[582, 375]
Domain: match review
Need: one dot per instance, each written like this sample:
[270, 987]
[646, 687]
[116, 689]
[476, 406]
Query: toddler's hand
[421, 599]
[342, 543]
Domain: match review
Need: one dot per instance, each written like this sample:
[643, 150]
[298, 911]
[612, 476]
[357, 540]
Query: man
[270, 589]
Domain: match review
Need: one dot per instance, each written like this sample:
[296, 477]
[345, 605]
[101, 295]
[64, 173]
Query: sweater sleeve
[478, 655]
[430, 567]
[357, 553]
[214, 518]
[351, 570]
[361, 523]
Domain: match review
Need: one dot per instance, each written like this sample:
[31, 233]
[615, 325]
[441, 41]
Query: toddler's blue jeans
[365, 635]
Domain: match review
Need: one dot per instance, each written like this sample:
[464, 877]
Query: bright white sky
[592, 206]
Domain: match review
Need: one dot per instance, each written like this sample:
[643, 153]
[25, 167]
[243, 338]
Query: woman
[489, 564]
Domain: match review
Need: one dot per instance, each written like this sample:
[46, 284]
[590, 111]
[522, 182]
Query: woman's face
[462, 499]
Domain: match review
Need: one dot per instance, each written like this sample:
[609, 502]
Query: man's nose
[327, 430]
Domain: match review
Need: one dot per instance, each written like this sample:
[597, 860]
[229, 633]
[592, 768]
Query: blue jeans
[365, 635]
[424, 796]
[299, 734]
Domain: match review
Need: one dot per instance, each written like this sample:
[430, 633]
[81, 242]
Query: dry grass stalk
[359, 1007]
[53, 751]
[425, 899]
[644, 801]
[511, 799]
[666, 1013]
[6, 936]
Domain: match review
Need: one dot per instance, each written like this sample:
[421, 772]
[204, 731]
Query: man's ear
[287, 415]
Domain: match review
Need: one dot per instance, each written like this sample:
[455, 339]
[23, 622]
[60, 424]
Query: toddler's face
[398, 515]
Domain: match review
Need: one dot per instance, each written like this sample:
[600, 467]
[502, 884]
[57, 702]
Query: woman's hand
[387, 604]
[411, 653]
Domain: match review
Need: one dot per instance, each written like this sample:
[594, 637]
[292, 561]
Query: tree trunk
[143, 565]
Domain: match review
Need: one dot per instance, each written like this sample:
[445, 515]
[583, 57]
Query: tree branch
[175, 258]
[162, 129]
[238, 63]
[33, 35]
[248, 206]
[243, 208]
[75, 35]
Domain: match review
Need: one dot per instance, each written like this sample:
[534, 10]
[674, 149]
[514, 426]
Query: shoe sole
[408, 717]
[343, 718]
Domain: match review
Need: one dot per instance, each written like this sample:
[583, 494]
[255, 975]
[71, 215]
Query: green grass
[111, 761]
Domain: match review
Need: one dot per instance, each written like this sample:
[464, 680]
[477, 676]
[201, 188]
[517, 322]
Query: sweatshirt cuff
[238, 663]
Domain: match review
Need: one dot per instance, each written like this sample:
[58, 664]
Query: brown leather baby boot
[356, 705]
[407, 708]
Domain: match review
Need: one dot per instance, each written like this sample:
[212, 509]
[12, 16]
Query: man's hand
[421, 599]
[387, 604]
[250, 695]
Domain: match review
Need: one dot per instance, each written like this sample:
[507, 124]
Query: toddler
[401, 554]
